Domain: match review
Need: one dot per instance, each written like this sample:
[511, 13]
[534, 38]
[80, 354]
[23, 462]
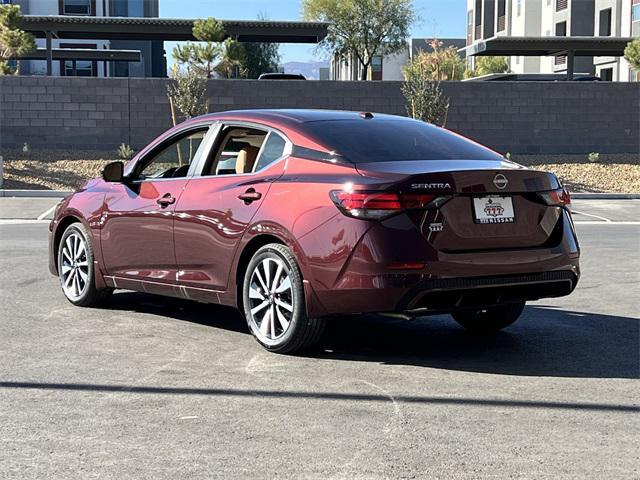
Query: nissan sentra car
[295, 216]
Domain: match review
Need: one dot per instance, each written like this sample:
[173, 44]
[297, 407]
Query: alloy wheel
[271, 299]
[74, 266]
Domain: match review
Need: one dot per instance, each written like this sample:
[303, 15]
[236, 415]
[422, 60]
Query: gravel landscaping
[66, 170]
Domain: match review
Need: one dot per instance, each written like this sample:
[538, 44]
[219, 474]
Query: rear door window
[272, 150]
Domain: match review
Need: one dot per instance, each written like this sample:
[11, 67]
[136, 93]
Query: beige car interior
[246, 159]
[241, 144]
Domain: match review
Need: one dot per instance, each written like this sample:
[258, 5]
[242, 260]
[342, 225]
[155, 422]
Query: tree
[363, 28]
[187, 93]
[195, 63]
[13, 41]
[260, 58]
[202, 56]
[439, 64]
[488, 65]
[232, 58]
[632, 54]
[425, 100]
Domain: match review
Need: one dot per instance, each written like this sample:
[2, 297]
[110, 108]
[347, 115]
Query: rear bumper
[448, 281]
[449, 294]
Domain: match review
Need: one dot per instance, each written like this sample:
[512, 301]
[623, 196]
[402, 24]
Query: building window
[502, 6]
[635, 12]
[561, 29]
[606, 74]
[561, 5]
[519, 8]
[376, 68]
[77, 7]
[78, 68]
[605, 22]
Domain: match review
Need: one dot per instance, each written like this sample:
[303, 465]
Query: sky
[439, 18]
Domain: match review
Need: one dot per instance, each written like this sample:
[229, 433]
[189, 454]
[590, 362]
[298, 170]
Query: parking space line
[591, 215]
[44, 214]
[20, 221]
[591, 222]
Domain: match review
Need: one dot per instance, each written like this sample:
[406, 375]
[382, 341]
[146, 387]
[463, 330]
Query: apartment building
[153, 62]
[386, 67]
[557, 18]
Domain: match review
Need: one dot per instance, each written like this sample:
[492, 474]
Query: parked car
[294, 216]
[281, 76]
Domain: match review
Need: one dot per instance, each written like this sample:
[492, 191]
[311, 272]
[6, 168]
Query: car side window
[272, 150]
[173, 160]
[237, 152]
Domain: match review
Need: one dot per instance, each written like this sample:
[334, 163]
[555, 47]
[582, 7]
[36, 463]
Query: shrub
[593, 157]
[125, 152]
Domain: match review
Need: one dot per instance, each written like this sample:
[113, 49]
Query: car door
[137, 229]
[222, 198]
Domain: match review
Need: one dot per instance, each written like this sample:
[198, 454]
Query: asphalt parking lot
[151, 387]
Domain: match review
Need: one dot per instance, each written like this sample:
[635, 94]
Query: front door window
[174, 160]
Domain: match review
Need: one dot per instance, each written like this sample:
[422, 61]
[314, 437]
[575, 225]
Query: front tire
[76, 268]
[273, 301]
[489, 319]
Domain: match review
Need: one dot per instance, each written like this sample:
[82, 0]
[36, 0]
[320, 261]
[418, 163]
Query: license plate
[493, 209]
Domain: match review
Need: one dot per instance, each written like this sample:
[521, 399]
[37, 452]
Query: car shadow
[546, 341]
[211, 315]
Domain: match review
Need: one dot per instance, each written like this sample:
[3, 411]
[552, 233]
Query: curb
[605, 196]
[35, 193]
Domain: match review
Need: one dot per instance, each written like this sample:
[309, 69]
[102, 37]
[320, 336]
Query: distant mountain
[311, 70]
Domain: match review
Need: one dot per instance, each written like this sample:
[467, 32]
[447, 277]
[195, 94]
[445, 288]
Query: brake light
[557, 198]
[373, 205]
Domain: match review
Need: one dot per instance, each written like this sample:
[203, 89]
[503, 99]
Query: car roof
[294, 117]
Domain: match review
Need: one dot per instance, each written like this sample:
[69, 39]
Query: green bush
[125, 152]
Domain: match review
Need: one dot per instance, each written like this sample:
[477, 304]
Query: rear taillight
[557, 198]
[374, 205]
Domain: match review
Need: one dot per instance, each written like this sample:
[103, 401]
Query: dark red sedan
[294, 216]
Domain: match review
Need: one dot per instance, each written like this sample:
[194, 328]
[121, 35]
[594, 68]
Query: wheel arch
[312, 304]
[252, 246]
[63, 224]
[60, 228]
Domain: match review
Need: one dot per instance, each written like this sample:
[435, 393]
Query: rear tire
[490, 319]
[274, 305]
[76, 268]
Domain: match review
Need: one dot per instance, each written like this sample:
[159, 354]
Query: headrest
[246, 159]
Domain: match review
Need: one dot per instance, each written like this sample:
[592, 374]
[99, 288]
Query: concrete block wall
[516, 117]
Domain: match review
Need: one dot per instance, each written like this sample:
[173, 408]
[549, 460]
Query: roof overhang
[85, 54]
[135, 28]
[548, 46]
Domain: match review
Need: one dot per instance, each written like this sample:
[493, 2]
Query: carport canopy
[167, 29]
[549, 46]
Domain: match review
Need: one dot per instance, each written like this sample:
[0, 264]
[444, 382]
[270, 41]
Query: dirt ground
[66, 170]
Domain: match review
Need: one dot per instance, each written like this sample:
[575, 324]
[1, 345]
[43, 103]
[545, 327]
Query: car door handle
[166, 200]
[250, 196]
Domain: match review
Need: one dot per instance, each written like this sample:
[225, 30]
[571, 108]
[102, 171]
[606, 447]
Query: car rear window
[381, 140]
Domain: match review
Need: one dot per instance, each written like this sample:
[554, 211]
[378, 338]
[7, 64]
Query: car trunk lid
[490, 205]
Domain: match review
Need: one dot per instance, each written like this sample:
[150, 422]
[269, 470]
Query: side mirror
[113, 172]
